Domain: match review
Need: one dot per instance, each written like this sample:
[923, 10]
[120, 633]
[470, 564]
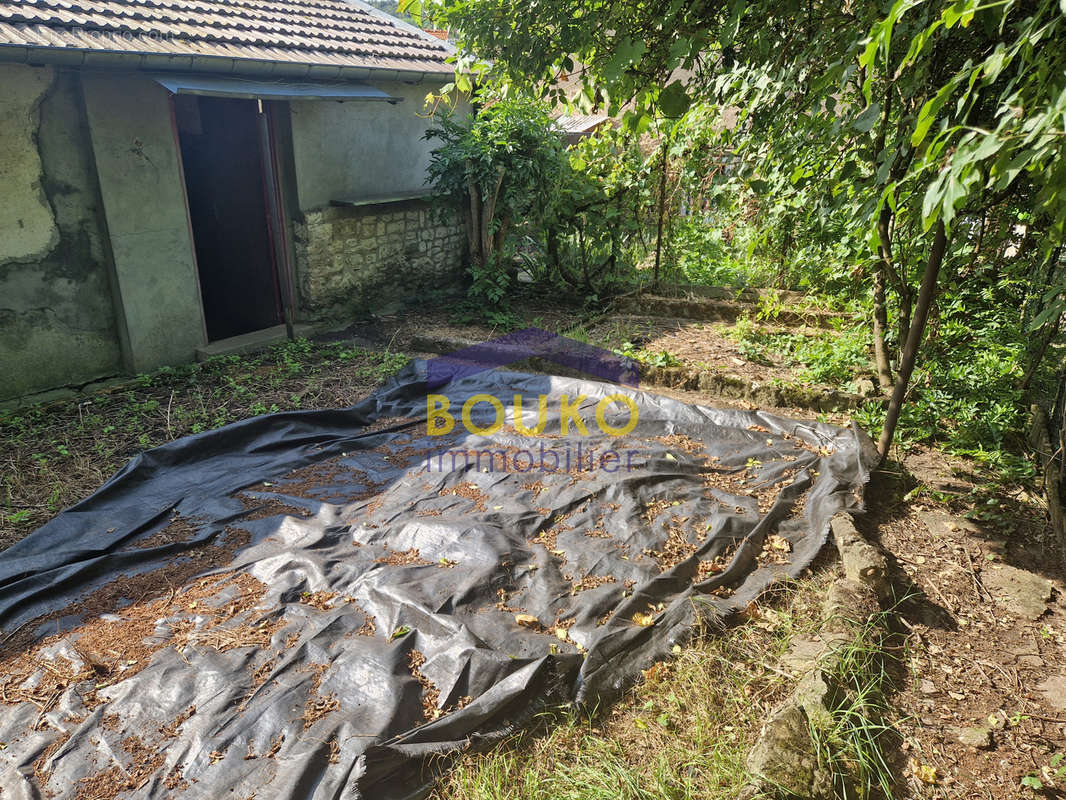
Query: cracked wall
[57, 316]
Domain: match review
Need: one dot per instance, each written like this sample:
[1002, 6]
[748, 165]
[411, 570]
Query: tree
[925, 122]
[499, 167]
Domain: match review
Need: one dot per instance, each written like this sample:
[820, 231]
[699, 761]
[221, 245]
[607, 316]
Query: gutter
[220, 65]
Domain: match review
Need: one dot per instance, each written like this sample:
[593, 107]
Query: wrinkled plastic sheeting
[615, 566]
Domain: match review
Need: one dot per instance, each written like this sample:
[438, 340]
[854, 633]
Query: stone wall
[370, 258]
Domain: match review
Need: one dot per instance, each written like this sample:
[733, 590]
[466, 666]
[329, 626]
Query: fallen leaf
[923, 772]
[643, 620]
[779, 543]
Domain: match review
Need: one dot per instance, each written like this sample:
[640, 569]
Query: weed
[579, 333]
[852, 740]
[60, 452]
[769, 307]
[1047, 776]
[649, 358]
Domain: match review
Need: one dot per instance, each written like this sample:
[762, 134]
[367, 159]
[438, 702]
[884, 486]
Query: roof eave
[223, 65]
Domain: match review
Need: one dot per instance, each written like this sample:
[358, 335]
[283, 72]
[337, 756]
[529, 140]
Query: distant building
[576, 127]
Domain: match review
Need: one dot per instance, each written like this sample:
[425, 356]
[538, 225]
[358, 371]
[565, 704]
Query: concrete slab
[250, 342]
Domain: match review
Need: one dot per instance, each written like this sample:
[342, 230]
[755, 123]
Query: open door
[233, 231]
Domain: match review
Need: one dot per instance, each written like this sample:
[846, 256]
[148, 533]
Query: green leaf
[1051, 312]
[867, 119]
[954, 191]
[673, 100]
[931, 201]
[729, 31]
[927, 116]
[1032, 782]
[627, 53]
[989, 146]
[960, 13]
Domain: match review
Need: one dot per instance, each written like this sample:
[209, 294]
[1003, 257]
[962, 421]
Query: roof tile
[311, 32]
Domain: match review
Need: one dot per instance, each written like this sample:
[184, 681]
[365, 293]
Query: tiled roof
[580, 123]
[293, 33]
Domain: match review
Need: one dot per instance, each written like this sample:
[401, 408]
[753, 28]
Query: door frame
[277, 229]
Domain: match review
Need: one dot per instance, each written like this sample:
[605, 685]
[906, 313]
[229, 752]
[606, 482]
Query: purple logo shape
[532, 343]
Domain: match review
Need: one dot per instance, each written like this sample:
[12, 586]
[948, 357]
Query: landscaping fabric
[303, 605]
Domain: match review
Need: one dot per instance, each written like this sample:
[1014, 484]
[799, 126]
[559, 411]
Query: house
[180, 177]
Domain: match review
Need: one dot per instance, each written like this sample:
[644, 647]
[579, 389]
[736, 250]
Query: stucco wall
[353, 260]
[57, 319]
[359, 149]
[143, 194]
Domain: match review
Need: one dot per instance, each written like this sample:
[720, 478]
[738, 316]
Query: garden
[846, 216]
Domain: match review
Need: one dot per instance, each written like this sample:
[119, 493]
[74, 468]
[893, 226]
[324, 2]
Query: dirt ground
[981, 683]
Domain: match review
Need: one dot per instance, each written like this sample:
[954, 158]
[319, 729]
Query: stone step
[746, 294]
[710, 310]
[251, 342]
[708, 382]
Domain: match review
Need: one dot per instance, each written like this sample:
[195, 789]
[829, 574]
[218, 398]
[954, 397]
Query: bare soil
[704, 345]
[969, 661]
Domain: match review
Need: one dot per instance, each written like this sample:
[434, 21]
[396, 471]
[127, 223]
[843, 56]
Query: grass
[682, 733]
[853, 739]
[58, 453]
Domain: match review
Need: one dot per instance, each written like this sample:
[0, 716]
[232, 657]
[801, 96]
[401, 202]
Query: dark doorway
[222, 156]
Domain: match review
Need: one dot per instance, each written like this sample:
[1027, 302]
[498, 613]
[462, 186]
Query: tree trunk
[881, 356]
[1050, 332]
[488, 211]
[881, 359]
[662, 213]
[1048, 440]
[473, 232]
[914, 338]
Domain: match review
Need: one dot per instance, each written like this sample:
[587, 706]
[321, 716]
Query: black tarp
[295, 606]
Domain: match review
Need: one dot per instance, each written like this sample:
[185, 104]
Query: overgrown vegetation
[906, 158]
[825, 358]
[571, 220]
[857, 732]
